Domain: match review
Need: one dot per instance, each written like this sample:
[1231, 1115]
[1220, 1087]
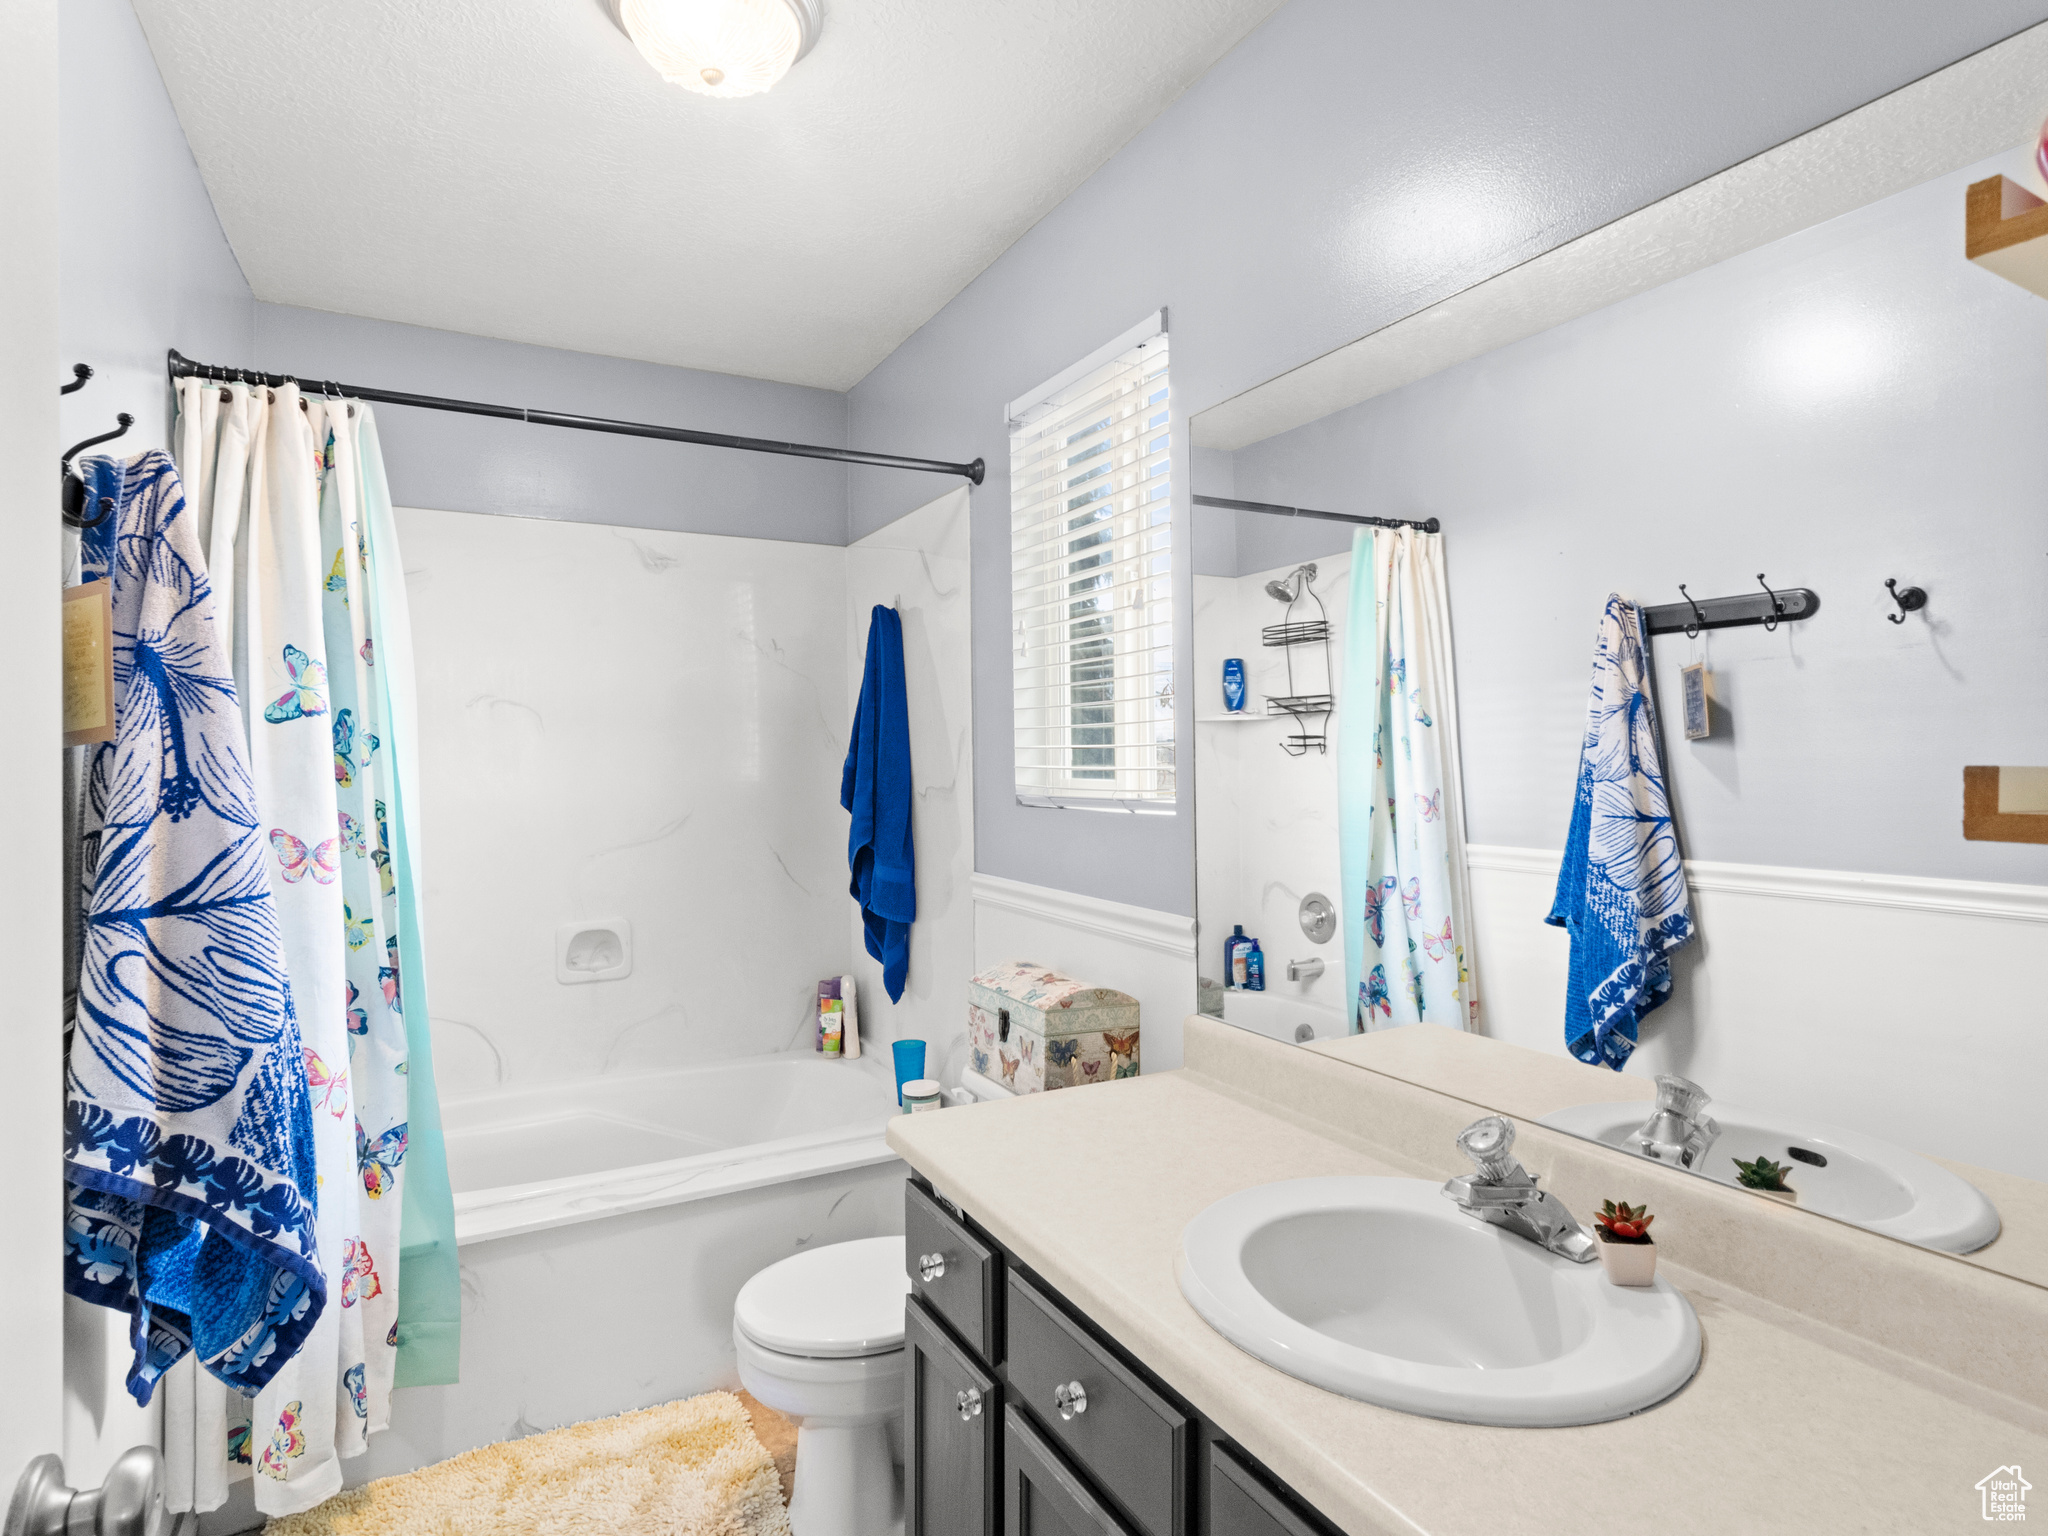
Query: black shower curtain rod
[181, 367]
[1429, 526]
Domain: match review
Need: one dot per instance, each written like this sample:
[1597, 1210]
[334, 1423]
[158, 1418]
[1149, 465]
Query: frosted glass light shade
[721, 47]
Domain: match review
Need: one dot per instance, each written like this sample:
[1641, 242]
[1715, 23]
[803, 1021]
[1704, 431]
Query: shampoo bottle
[1232, 977]
[1254, 967]
[1233, 685]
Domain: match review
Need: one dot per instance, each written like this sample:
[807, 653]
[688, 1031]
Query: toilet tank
[1032, 1029]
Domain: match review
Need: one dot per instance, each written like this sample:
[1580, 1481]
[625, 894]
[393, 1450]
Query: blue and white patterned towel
[1621, 892]
[188, 1138]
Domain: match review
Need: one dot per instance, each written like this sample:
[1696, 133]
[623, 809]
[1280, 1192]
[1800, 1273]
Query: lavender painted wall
[1853, 402]
[1347, 164]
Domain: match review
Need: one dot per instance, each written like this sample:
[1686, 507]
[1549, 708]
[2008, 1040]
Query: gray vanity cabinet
[950, 1440]
[1024, 1419]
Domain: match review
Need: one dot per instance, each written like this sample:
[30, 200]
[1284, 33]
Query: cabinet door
[1041, 1495]
[1240, 1503]
[953, 1272]
[950, 1444]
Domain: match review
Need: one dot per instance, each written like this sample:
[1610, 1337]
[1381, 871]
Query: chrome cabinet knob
[1070, 1399]
[969, 1403]
[931, 1266]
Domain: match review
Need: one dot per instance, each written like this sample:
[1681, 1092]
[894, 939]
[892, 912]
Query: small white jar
[921, 1094]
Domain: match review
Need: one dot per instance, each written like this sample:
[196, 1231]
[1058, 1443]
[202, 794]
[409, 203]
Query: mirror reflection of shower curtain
[290, 504]
[1408, 941]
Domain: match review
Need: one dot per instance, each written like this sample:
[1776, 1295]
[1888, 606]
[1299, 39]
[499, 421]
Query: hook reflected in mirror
[1909, 599]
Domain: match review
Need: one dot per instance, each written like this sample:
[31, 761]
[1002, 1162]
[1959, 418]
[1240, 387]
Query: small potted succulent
[1626, 1247]
[1766, 1178]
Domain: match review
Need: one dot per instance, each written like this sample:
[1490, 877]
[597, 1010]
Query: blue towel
[188, 1137]
[1621, 892]
[875, 786]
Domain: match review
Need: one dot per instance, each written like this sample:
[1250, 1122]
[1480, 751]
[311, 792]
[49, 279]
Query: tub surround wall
[918, 565]
[625, 723]
[1905, 1374]
[1266, 822]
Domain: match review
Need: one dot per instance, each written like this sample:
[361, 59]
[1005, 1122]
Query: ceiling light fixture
[721, 47]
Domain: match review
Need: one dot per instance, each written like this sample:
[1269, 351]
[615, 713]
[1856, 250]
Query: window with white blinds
[1091, 589]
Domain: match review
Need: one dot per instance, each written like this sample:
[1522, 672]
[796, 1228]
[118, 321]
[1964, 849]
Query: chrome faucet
[1681, 1130]
[1504, 1192]
[1304, 970]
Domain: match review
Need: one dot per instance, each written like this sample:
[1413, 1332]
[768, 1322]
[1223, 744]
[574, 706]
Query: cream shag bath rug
[693, 1468]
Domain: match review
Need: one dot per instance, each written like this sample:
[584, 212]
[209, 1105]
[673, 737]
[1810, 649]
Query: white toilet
[820, 1338]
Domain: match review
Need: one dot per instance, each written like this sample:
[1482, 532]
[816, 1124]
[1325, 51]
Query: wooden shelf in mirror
[2006, 231]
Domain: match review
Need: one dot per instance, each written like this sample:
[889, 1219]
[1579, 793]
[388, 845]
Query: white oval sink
[1384, 1290]
[1863, 1180]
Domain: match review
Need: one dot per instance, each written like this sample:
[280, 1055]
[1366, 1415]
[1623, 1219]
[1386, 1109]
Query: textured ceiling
[514, 169]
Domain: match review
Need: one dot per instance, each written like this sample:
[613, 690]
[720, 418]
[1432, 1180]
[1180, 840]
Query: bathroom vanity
[1023, 1416]
[1058, 1381]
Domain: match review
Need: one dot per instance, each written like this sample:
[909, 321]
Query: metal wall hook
[79, 374]
[1692, 630]
[1909, 599]
[1777, 608]
[71, 497]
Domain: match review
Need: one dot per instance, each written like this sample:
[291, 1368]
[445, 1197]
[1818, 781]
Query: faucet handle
[1681, 1095]
[1490, 1143]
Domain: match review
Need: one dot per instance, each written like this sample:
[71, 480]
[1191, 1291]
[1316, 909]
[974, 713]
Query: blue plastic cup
[909, 1064]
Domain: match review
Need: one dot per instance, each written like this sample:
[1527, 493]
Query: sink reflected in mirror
[1830, 1171]
[1383, 1290]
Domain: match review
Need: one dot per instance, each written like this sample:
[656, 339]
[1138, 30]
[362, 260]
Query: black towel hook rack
[1768, 608]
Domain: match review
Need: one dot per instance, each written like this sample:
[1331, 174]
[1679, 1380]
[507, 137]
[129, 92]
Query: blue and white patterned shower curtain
[286, 508]
[1407, 904]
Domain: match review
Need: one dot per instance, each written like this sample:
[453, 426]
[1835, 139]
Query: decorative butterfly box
[1032, 1029]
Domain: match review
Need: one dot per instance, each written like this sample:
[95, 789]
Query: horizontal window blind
[1091, 588]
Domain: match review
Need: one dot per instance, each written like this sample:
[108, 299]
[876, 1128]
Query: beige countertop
[1788, 1426]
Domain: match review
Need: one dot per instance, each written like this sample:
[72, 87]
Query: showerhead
[1290, 586]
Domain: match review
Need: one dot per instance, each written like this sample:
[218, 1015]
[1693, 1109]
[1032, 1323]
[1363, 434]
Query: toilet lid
[832, 1302]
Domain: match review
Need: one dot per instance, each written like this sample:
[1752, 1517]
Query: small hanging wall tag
[1698, 686]
[89, 664]
[88, 631]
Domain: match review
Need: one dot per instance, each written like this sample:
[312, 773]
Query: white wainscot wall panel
[625, 723]
[919, 566]
[1905, 1008]
[1149, 954]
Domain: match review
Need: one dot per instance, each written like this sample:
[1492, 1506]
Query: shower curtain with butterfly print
[1408, 955]
[280, 486]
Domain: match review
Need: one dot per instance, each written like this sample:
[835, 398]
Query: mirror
[1861, 1005]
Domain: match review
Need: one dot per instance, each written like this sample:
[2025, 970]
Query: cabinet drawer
[1041, 1497]
[1123, 1434]
[952, 1411]
[953, 1272]
[1240, 1503]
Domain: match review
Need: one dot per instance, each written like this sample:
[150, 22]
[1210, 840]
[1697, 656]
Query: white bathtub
[548, 1157]
[607, 1226]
